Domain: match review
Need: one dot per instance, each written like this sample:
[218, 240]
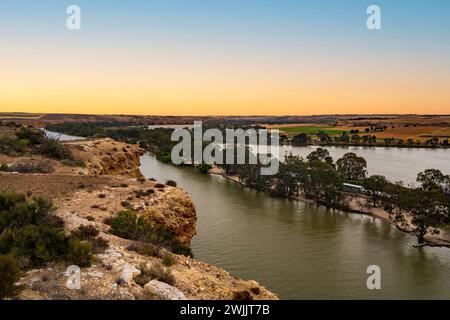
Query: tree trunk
[421, 238]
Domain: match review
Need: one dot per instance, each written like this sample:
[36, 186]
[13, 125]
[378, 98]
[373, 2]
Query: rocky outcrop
[161, 289]
[176, 213]
[108, 157]
[109, 183]
[169, 207]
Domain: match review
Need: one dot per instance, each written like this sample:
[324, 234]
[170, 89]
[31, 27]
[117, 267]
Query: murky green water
[301, 251]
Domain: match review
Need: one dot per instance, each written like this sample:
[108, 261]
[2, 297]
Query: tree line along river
[302, 251]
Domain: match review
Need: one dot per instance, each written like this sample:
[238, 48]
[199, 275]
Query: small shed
[352, 188]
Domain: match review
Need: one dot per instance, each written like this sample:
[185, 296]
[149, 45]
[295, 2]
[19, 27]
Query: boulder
[129, 272]
[163, 290]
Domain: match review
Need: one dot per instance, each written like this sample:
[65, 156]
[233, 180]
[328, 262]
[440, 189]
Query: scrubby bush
[27, 166]
[53, 148]
[99, 244]
[242, 295]
[73, 162]
[32, 135]
[12, 146]
[204, 168]
[142, 193]
[89, 233]
[171, 183]
[79, 253]
[156, 271]
[126, 205]
[3, 167]
[256, 290]
[168, 260]
[164, 156]
[128, 225]
[146, 249]
[17, 211]
[39, 244]
[9, 275]
[85, 232]
[30, 230]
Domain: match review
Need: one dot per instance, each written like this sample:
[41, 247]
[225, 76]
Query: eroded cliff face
[109, 183]
[113, 275]
[108, 157]
[163, 205]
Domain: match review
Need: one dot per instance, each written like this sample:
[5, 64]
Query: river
[299, 250]
[302, 251]
[60, 136]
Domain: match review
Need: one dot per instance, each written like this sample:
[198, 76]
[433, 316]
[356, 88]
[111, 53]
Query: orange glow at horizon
[81, 82]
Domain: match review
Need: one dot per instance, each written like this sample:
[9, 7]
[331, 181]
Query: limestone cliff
[108, 157]
[111, 182]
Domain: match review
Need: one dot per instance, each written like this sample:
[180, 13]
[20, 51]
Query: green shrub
[53, 148]
[159, 186]
[128, 225]
[18, 212]
[164, 156]
[9, 275]
[39, 244]
[146, 249]
[168, 260]
[79, 253]
[32, 135]
[171, 183]
[3, 167]
[204, 168]
[101, 196]
[12, 146]
[30, 230]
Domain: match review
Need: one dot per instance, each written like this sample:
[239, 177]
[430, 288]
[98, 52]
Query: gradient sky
[225, 57]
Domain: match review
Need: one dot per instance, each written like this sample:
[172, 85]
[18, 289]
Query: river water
[61, 136]
[302, 251]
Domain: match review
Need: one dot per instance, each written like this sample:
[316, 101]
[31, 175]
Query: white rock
[129, 272]
[164, 290]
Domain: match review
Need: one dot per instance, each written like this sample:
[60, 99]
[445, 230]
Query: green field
[312, 130]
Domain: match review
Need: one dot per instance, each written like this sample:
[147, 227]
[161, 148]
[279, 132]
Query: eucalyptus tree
[351, 167]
